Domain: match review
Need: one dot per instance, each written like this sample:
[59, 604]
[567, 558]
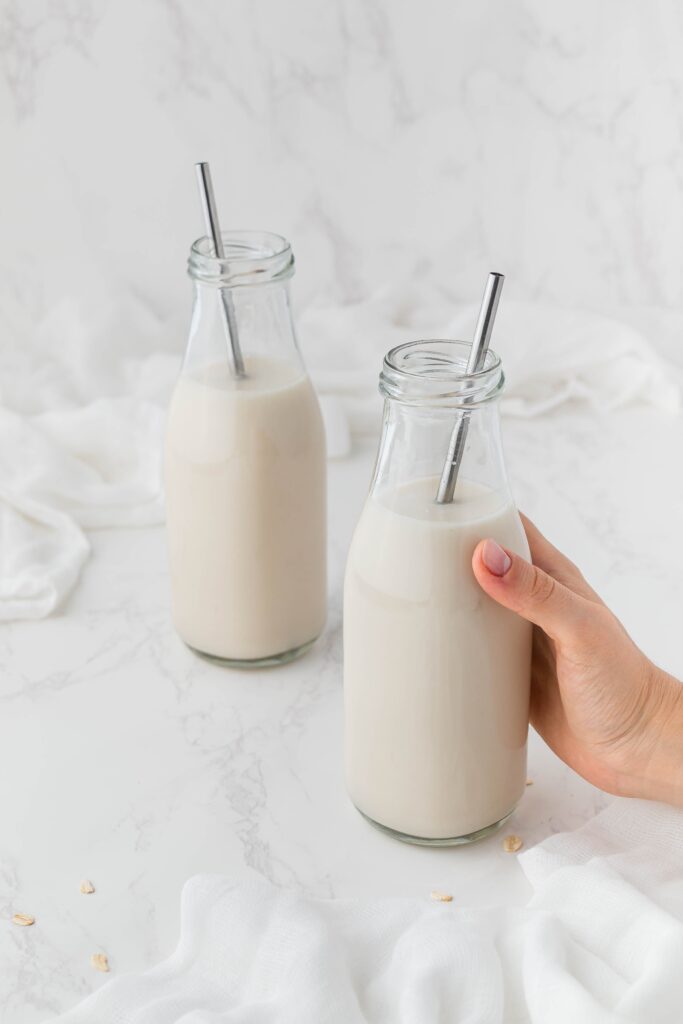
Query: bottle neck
[264, 324]
[253, 276]
[415, 442]
[428, 393]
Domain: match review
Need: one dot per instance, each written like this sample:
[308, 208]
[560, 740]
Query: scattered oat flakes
[23, 920]
[529, 782]
[512, 843]
[441, 897]
[100, 962]
[87, 887]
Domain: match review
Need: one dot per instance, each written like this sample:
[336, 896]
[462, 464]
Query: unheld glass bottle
[245, 466]
[436, 674]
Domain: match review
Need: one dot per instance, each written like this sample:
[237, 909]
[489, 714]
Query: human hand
[596, 699]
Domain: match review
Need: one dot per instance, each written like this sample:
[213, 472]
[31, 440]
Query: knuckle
[571, 569]
[542, 587]
[597, 625]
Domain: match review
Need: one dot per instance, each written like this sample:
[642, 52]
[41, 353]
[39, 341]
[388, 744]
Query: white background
[385, 138]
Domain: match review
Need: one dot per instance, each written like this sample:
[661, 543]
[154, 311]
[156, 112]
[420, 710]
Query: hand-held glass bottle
[245, 466]
[436, 674]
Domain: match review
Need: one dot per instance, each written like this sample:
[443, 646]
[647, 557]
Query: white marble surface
[126, 760]
[384, 137]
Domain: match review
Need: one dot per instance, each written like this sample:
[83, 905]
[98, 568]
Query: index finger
[547, 557]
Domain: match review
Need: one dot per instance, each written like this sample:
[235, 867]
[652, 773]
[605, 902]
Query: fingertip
[478, 566]
[476, 554]
[495, 558]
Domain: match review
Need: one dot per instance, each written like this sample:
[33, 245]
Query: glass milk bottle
[245, 466]
[436, 675]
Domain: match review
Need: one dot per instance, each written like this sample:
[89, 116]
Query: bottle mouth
[434, 372]
[251, 258]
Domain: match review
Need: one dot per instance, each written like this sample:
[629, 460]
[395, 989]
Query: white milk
[436, 675]
[245, 495]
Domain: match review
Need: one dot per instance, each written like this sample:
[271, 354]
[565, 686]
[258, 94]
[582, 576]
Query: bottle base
[471, 837]
[271, 661]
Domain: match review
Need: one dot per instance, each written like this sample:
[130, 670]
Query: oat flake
[23, 920]
[441, 897]
[100, 962]
[512, 843]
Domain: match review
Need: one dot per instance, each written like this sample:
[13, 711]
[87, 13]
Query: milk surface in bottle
[245, 468]
[436, 674]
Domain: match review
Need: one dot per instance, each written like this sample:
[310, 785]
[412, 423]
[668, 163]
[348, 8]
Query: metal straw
[214, 229]
[477, 358]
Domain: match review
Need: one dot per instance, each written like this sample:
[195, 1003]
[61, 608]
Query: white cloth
[550, 356]
[82, 407]
[601, 940]
[81, 422]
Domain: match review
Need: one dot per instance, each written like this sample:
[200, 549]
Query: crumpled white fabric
[83, 400]
[81, 423]
[601, 940]
[550, 355]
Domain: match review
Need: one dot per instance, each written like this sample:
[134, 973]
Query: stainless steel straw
[214, 229]
[477, 358]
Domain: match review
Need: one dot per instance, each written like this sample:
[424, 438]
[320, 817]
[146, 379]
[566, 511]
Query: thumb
[524, 588]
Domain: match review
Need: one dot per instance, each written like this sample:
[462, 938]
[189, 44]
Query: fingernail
[496, 560]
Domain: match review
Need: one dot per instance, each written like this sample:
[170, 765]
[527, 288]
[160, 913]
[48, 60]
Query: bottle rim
[434, 372]
[251, 258]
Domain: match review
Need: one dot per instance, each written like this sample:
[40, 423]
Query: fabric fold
[600, 940]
